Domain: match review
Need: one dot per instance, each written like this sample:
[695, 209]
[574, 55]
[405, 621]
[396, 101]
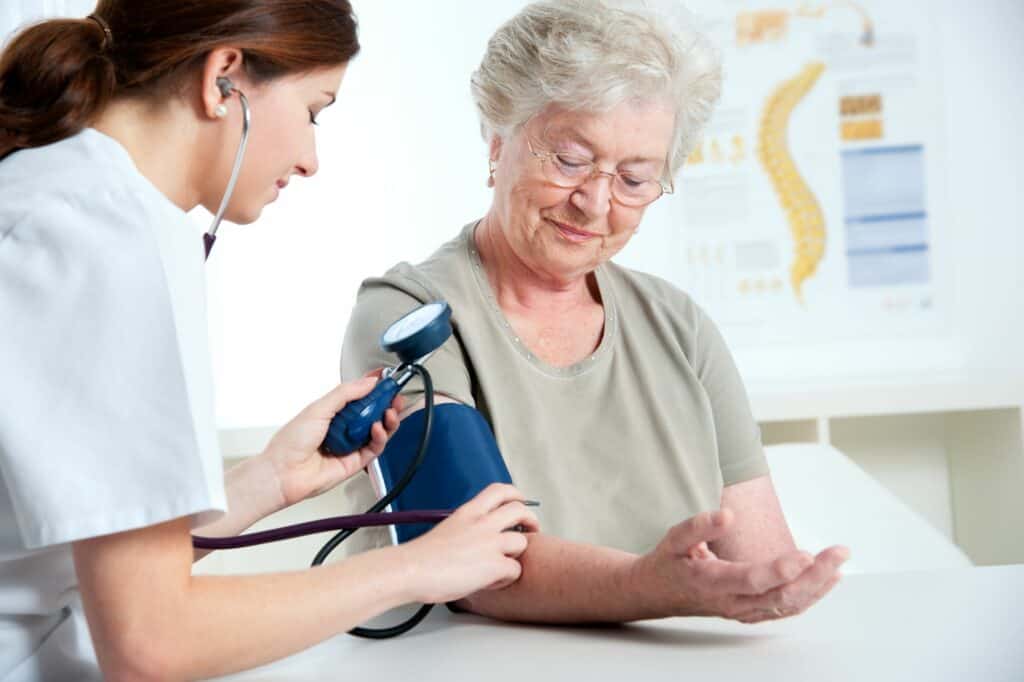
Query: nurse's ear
[223, 62]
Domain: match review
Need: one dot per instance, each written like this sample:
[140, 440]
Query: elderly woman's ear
[494, 155]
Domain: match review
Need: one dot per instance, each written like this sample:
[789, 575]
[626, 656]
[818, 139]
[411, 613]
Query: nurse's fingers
[490, 498]
[380, 433]
[512, 570]
[378, 439]
[358, 460]
[398, 404]
[342, 394]
[513, 515]
[391, 420]
[513, 544]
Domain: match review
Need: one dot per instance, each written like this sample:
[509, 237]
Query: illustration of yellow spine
[804, 214]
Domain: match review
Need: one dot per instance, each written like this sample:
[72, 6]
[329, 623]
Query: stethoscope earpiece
[225, 86]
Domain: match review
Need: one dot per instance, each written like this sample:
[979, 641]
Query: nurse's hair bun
[54, 78]
[57, 76]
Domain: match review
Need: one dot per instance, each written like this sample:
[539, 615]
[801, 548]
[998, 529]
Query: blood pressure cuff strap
[462, 459]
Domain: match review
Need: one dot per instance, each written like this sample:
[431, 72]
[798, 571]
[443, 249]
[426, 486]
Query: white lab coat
[106, 403]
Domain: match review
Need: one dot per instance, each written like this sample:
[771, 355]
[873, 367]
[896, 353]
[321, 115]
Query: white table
[965, 625]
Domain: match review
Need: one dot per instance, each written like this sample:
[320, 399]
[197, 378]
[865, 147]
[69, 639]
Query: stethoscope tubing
[211, 235]
[350, 522]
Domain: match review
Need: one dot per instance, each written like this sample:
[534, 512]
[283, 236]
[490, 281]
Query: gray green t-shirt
[642, 434]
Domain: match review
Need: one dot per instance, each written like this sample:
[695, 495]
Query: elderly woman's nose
[594, 196]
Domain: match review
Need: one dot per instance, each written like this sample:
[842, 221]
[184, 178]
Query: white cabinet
[950, 446]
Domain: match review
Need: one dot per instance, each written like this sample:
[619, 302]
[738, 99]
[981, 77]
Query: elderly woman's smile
[571, 233]
[567, 184]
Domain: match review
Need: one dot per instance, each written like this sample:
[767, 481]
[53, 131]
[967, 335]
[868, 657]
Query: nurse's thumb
[341, 395]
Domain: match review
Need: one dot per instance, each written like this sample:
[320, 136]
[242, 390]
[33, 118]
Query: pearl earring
[221, 111]
[490, 177]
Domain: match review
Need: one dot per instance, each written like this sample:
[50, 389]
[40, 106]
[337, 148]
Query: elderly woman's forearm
[566, 582]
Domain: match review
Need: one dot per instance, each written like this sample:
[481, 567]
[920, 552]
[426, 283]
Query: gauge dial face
[412, 323]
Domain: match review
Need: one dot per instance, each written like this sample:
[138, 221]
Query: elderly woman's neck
[517, 285]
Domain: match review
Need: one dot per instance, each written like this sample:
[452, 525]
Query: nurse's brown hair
[56, 76]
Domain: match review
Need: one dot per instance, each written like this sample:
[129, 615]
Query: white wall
[403, 167]
[984, 59]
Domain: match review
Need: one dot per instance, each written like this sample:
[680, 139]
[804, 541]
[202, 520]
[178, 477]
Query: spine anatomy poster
[811, 209]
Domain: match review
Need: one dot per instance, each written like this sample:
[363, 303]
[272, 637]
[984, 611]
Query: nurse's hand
[683, 577]
[474, 549]
[301, 470]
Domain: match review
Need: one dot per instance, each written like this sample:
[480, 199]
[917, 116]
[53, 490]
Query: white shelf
[951, 445]
[890, 395]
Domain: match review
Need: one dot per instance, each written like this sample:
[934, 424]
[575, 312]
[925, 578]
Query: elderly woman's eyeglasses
[569, 171]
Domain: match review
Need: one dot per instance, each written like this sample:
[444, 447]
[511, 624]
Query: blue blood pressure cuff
[462, 459]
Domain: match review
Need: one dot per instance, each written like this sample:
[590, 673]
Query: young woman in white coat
[111, 129]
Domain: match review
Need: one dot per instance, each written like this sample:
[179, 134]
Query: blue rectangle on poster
[885, 217]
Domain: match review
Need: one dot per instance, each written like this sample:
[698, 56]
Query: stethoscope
[226, 87]
[413, 338]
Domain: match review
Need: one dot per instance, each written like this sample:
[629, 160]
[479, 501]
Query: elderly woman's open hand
[685, 578]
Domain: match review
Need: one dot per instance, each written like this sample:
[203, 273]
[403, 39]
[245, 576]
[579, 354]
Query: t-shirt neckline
[585, 365]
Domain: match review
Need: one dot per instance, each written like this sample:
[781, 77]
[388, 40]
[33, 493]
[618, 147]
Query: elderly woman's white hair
[596, 54]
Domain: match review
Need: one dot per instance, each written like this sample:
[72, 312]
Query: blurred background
[897, 343]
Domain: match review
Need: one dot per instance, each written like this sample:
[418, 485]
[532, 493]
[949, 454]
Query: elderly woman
[611, 394]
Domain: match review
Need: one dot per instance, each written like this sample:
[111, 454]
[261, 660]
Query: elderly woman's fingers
[702, 528]
[761, 614]
[832, 582]
[797, 595]
[782, 570]
[701, 551]
[746, 579]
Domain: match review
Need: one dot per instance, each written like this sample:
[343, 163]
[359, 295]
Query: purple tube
[310, 527]
[208, 240]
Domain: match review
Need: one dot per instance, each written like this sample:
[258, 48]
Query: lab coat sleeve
[96, 431]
